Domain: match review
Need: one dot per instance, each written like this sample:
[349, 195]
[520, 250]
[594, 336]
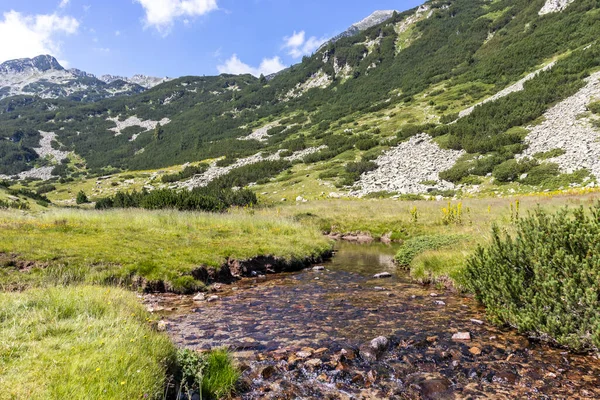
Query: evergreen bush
[543, 280]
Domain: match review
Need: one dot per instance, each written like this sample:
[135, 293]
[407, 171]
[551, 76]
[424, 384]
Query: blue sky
[177, 37]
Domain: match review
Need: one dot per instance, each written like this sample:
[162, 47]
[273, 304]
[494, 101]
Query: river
[307, 335]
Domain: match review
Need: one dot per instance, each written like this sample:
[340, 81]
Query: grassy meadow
[123, 246]
[80, 343]
[425, 227]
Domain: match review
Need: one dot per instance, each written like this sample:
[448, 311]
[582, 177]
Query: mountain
[147, 82]
[455, 96]
[375, 18]
[43, 76]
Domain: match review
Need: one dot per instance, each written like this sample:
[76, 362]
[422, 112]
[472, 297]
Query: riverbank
[183, 252]
[438, 236]
[138, 249]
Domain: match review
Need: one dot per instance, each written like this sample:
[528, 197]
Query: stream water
[307, 335]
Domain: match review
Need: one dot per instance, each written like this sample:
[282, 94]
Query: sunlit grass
[121, 246]
[80, 343]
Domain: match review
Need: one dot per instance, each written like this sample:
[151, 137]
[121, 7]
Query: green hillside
[359, 96]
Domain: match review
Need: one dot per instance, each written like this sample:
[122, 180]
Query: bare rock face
[553, 6]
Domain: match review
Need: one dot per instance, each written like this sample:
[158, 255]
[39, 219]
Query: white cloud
[64, 3]
[235, 66]
[117, 33]
[298, 45]
[37, 34]
[162, 13]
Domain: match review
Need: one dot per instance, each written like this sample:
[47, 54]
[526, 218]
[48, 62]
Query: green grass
[128, 245]
[80, 343]
[219, 375]
[438, 264]
[419, 244]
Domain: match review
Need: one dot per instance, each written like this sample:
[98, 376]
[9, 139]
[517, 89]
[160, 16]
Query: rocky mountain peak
[377, 17]
[41, 63]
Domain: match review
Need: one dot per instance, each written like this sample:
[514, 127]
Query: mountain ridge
[45, 77]
[455, 83]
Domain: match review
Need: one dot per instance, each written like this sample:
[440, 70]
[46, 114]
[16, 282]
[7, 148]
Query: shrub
[18, 205]
[226, 162]
[45, 189]
[28, 193]
[542, 173]
[549, 154]
[455, 174]
[360, 167]
[543, 280]
[210, 199]
[510, 170]
[187, 172]
[81, 198]
[446, 119]
[366, 144]
[594, 107]
[417, 245]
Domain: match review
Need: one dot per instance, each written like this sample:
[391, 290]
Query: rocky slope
[567, 127]
[412, 167]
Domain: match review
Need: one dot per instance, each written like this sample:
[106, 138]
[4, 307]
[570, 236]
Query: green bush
[542, 173]
[209, 199]
[18, 205]
[549, 154]
[43, 189]
[511, 170]
[81, 198]
[459, 171]
[28, 193]
[187, 172]
[594, 107]
[417, 245]
[366, 144]
[543, 280]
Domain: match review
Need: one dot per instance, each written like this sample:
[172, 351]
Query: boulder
[466, 336]
[382, 275]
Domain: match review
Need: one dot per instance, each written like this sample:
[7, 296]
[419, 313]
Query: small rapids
[307, 335]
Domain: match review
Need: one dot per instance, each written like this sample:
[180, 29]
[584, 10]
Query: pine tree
[158, 132]
[82, 198]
